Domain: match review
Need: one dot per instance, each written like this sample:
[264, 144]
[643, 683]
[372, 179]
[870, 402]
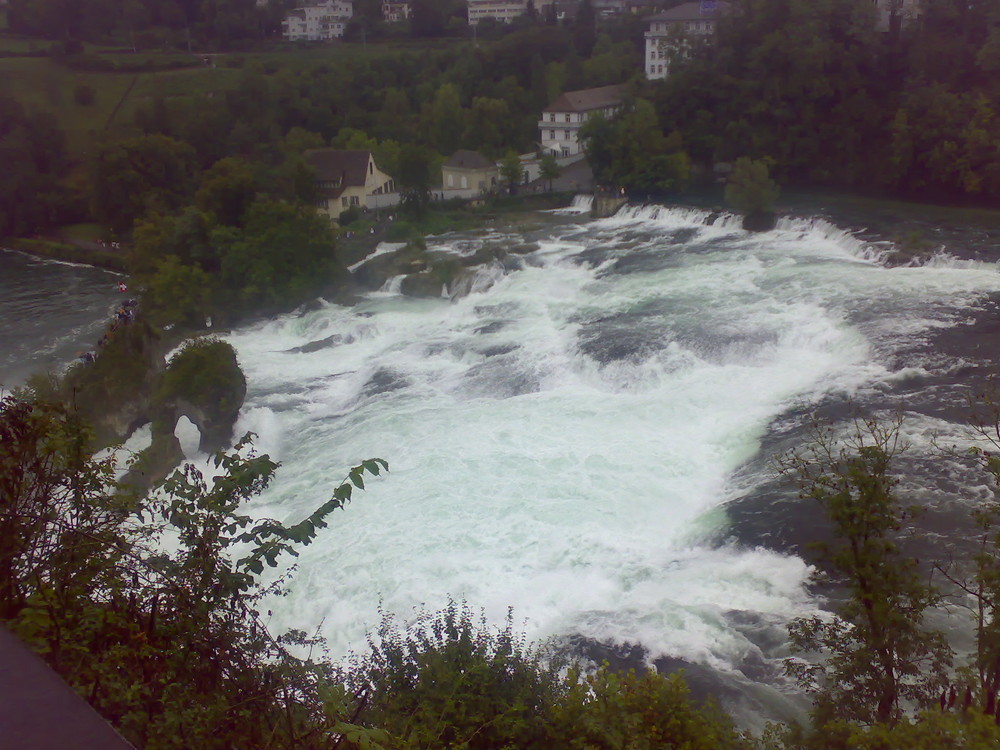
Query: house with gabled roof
[559, 128]
[468, 174]
[349, 178]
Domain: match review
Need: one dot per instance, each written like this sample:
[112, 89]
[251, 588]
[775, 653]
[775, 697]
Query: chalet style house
[349, 178]
[394, 12]
[559, 128]
[675, 31]
[468, 174]
[322, 21]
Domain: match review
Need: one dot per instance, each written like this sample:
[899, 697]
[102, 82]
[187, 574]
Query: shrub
[84, 95]
[750, 188]
[206, 374]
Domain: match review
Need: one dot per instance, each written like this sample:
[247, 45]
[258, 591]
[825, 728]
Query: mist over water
[585, 437]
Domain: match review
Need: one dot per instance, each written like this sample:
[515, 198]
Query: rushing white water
[581, 204]
[562, 440]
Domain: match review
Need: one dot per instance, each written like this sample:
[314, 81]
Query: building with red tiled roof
[559, 128]
[348, 178]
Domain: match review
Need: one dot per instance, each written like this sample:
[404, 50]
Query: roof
[588, 99]
[40, 711]
[693, 11]
[468, 160]
[348, 168]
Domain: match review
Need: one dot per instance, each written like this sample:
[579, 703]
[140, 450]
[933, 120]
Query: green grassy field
[40, 84]
[43, 84]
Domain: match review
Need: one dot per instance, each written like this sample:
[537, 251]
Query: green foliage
[281, 254]
[930, 730]
[177, 294]
[33, 153]
[549, 168]
[750, 188]
[84, 94]
[119, 376]
[879, 654]
[204, 373]
[632, 151]
[511, 170]
[227, 190]
[644, 711]
[449, 680]
[165, 645]
[136, 175]
[414, 179]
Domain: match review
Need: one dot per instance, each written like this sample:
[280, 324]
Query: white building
[313, 23]
[394, 12]
[675, 31]
[559, 128]
[504, 11]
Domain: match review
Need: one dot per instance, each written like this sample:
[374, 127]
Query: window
[552, 117]
[552, 135]
[566, 134]
[371, 167]
[343, 201]
[355, 201]
[465, 181]
[451, 180]
[567, 118]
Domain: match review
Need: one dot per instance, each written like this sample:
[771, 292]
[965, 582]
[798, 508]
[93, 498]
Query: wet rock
[315, 346]
[760, 221]
[426, 285]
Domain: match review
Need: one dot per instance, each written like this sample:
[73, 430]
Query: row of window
[568, 117]
[567, 134]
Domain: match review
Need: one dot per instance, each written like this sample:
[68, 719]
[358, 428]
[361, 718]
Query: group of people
[124, 315]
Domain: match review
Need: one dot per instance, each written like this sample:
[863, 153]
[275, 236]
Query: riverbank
[90, 254]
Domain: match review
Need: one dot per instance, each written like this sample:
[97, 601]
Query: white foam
[582, 204]
[533, 466]
[189, 437]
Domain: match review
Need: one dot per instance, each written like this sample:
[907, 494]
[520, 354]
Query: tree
[427, 18]
[135, 175]
[879, 656]
[584, 28]
[632, 151]
[447, 679]
[414, 179]
[226, 191]
[512, 171]
[750, 188]
[280, 255]
[550, 169]
[33, 152]
[178, 294]
[163, 639]
[444, 119]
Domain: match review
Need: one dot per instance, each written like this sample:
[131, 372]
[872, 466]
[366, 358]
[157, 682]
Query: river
[587, 438]
[49, 313]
